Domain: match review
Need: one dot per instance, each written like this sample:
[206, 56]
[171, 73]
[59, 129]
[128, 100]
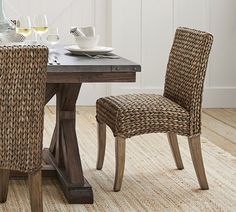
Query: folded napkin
[83, 31]
[12, 37]
[77, 32]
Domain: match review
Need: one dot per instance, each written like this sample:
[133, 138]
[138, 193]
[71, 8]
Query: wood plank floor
[218, 125]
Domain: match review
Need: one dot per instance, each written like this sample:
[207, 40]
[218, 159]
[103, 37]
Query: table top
[74, 63]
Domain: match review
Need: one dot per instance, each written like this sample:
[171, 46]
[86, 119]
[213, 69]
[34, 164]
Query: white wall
[142, 30]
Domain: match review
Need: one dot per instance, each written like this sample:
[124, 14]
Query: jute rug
[151, 181]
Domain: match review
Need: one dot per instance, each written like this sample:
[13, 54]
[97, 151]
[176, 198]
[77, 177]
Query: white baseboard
[213, 97]
[83, 101]
[220, 97]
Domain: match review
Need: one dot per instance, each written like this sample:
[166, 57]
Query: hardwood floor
[218, 125]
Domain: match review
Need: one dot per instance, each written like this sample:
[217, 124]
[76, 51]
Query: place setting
[87, 42]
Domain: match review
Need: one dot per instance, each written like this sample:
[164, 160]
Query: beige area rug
[151, 181]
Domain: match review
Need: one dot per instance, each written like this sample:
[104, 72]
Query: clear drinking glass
[23, 26]
[53, 36]
[40, 26]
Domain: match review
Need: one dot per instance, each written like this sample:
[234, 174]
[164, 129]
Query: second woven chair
[23, 72]
[177, 112]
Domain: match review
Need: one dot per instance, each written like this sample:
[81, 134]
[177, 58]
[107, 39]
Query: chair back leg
[120, 162]
[196, 153]
[4, 182]
[101, 144]
[35, 191]
[173, 141]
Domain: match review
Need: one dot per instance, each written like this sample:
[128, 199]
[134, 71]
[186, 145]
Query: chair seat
[136, 114]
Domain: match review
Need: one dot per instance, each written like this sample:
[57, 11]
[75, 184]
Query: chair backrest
[186, 72]
[22, 98]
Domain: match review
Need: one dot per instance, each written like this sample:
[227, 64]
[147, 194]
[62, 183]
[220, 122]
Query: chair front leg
[35, 191]
[173, 141]
[4, 182]
[101, 130]
[120, 162]
[196, 153]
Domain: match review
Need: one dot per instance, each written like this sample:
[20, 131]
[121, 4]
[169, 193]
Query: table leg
[63, 152]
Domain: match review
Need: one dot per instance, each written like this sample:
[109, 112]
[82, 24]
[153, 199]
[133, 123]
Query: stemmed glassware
[40, 26]
[53, 36]
[23, 26]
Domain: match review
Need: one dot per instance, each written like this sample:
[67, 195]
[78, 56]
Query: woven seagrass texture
[135, 114]
[186, 71]
[179, 109]
[22, 97]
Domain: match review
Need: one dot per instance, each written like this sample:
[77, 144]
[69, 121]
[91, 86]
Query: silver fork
[55, 60]
[99, 56]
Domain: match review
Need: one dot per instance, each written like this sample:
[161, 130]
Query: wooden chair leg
[4, 182]
[120, 162]
[173, 141]
[101, 129]
[35, 191]
[196, 153]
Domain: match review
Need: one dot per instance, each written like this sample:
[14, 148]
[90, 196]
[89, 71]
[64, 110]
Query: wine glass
[53, 36]
[40, 25]
[23, 26]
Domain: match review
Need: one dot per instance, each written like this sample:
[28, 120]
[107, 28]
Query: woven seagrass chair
[177, 112]
[22, 99]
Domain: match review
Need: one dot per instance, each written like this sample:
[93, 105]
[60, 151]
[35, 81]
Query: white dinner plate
[95, 51]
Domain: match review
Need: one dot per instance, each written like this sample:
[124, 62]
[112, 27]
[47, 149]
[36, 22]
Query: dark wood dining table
[62, 158]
